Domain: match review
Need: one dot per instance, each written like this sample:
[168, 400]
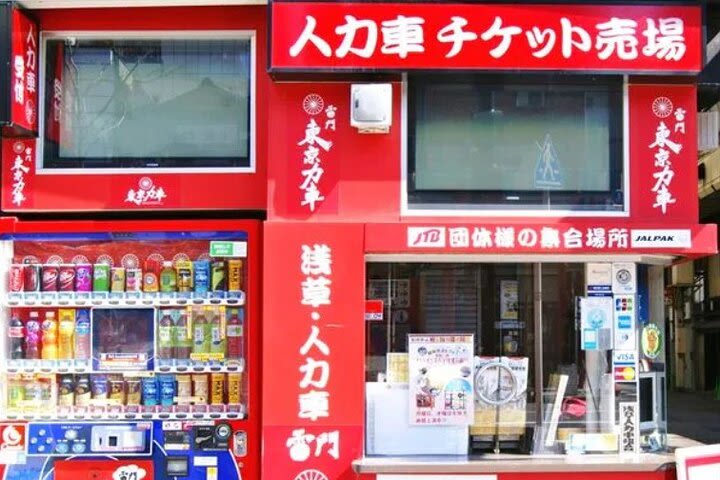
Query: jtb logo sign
[418, 237]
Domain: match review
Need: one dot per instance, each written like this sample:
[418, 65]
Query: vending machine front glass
[124, 331]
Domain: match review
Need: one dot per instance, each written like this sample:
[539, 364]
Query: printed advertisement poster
[596, 317]
[441, 379]
[508, 300]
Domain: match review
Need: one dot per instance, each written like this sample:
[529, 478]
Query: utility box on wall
[371, 107]
[682, 274]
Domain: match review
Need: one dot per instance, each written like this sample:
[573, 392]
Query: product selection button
[78, 448]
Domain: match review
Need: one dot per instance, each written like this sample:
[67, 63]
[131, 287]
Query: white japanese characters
[314, 144]
[510, 237]
[618, 38]
[300, 449]
[147, 193]
[663, 148]
[25, 76]
[316, 267]
[22, 161]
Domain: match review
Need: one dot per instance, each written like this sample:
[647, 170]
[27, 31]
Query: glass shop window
[504, 142]
[469, 358]
[147, 103]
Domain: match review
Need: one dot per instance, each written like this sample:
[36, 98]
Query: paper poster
[625, 322]
[598, 278]
[508, 300]
[596, 318]
[441, 379]
[624, 278]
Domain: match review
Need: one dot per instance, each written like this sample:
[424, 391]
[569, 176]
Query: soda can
[101, 277]
[50, 275]
[17, 278]
[117, 279]
[66, 278]
[32, 277]
[83, 278]
[133, 280]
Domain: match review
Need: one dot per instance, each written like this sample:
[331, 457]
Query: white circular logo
[145, 183]
[30, 111]
[18, 147]
[313, 104]
[662, 107]
[11, 437]
[623, 276]
[311, 474]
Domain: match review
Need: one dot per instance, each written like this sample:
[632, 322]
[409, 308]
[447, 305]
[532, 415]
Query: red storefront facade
[338, 201]
[367, 202]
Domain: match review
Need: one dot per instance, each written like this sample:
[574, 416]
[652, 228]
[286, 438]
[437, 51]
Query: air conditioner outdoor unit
[371, 107]
[708, 130]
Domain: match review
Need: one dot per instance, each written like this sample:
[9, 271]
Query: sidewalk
[694, 415]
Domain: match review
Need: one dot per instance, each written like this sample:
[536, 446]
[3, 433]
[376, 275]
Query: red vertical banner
[18, 158]
[308, 145]
[313, 350]
[663, 153]
[24, 72]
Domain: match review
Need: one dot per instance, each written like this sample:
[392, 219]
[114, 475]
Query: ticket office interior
[524, 316]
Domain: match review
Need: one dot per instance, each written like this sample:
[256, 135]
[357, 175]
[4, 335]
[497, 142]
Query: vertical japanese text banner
[663, 153]
[23, 74]
[304, 177]
[313, 350]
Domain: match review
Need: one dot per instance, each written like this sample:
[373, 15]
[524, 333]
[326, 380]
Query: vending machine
[130, 350]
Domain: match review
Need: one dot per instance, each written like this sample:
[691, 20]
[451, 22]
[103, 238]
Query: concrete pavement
[694, 415]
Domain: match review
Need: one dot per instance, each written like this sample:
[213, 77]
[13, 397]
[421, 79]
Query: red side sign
[663, 153]
[349, 36]
[21, 79]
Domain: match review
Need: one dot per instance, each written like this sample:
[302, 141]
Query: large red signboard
[313, 401]
[663, 152]
[21, 78]
[401, 36]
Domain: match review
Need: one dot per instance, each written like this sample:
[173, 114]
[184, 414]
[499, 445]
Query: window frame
[153, 35]
[451, 207]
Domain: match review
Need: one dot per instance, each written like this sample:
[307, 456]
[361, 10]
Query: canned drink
[83, 278]
[234, 275]
[50, 275]
[133, 280]
[66, 278]
[184, 271]
[32, 277]
[17, 278]
[117, 279]
[101, 277]
[218, 280]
